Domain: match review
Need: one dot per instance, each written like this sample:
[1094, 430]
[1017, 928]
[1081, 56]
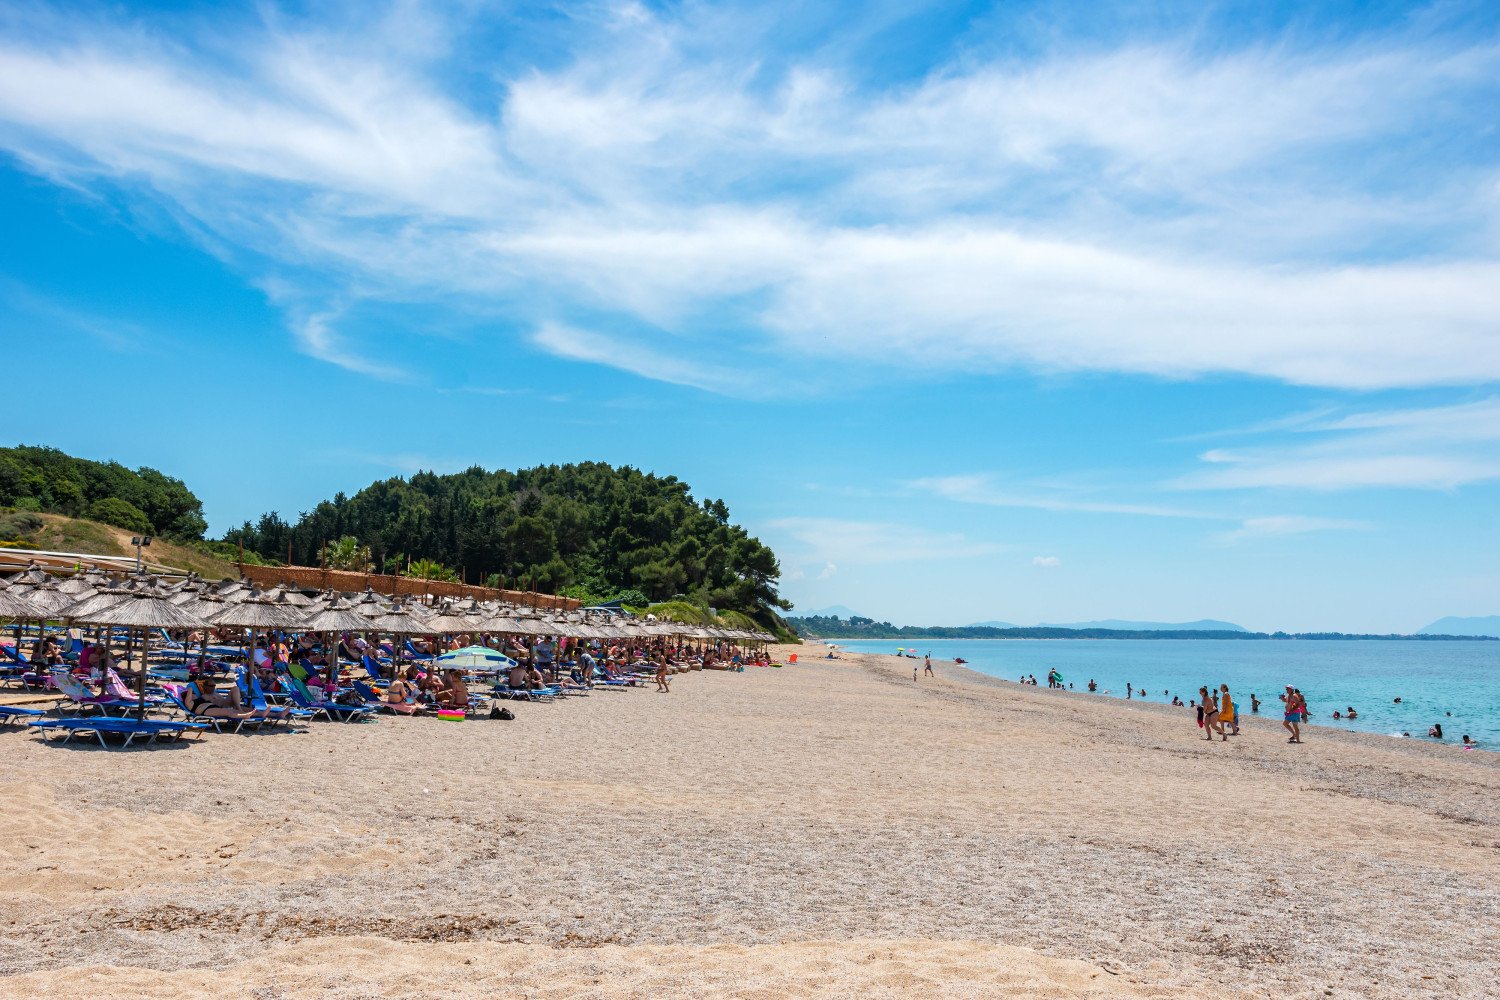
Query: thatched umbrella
[338, 616]
[86, 605]
[289, 595]
[18, 606]
[32, 573]
[76, 585]
[251, 614]
[145, 609]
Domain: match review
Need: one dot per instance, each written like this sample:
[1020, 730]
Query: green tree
[119, 513]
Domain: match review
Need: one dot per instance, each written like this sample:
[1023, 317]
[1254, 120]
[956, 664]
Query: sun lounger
[331, 710]
[283, 713]
[64, 730]
[216, 722]
[15, 713]
[525, 694]
[77, 697]
[411, 652]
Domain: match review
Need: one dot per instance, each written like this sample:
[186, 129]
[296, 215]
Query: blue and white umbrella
[471, 657]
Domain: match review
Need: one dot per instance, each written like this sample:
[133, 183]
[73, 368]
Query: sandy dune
[829, 829]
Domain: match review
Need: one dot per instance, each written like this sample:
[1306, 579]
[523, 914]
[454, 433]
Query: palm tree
[346, 553]
[430, 569]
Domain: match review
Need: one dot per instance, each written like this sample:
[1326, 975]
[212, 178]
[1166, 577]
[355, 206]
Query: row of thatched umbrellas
[150, 603]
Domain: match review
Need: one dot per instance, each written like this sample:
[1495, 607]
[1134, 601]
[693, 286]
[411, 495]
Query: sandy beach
[826, 829]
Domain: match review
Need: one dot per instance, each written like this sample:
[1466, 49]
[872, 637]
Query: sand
[823, 830]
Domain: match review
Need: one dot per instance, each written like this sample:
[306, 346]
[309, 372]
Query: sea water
[1455, 683]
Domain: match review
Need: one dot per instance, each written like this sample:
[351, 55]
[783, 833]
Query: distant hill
[991, 624]
[1485, 625]
[1117, 625]
[832, 611]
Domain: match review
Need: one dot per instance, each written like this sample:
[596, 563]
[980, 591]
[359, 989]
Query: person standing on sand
[1292, 722]
[662, 684]
[1129, 690]
[928, 670]
[1228, 715]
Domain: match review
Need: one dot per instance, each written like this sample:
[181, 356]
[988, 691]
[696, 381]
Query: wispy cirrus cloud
[1439, 447]
[839, 542]
[1149, 207]
[987, 490]
[1276, 527]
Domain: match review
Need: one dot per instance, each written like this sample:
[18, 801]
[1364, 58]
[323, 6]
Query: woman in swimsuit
[1211, 723]
[402, 694]
[201, 699]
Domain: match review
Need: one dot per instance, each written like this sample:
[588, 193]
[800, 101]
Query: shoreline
[1178, 713]
[1370, 723]
[820, 830]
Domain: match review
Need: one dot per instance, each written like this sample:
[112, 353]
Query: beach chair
[217, 723]
[372, 667]
[330, 710]
[77, 697]
[411, 653]
[64, 730]
[11, 714]
[286, 713]
[115, 684]
[524, 694]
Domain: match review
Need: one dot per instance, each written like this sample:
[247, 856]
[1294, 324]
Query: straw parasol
[283, 593]
[13, 605]
[145, 609]
[338, 616]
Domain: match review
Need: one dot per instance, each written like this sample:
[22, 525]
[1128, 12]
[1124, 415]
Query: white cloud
[985, 489]
[1271, 527]
[1046, 562]
[1441, 447]
[828, 570]
[1127, 210]
[837, 542]
[584, 345]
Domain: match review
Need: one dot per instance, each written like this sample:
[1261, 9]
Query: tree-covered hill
[591, 528]
[142, 500]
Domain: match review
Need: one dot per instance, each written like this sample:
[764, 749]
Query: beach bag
[498, 712]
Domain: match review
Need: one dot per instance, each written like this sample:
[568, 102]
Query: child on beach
[1227, 713]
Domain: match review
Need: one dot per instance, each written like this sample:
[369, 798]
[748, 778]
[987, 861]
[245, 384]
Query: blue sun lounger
[15, 713]
[217, 723]
[330, 710]
[64, 730]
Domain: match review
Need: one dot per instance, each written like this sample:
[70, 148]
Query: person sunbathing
[202, 698]
[402, 695]
[455, 693]
[534, 679]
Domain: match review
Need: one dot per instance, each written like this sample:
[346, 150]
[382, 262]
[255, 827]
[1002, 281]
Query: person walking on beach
[1210, 709]
[662, 684]
[928, 670]
[1292, 722]
[1228, 715]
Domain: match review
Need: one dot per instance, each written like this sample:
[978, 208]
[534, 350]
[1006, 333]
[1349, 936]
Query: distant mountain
[1202, 625]
[832, 611]
[1485, 625]
[991, 624]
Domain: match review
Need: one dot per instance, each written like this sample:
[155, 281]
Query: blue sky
[1039, 312]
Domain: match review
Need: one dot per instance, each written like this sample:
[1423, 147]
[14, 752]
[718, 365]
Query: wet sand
[827, 829]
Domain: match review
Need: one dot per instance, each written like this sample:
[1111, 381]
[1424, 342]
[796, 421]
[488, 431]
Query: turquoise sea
[1432, 679]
